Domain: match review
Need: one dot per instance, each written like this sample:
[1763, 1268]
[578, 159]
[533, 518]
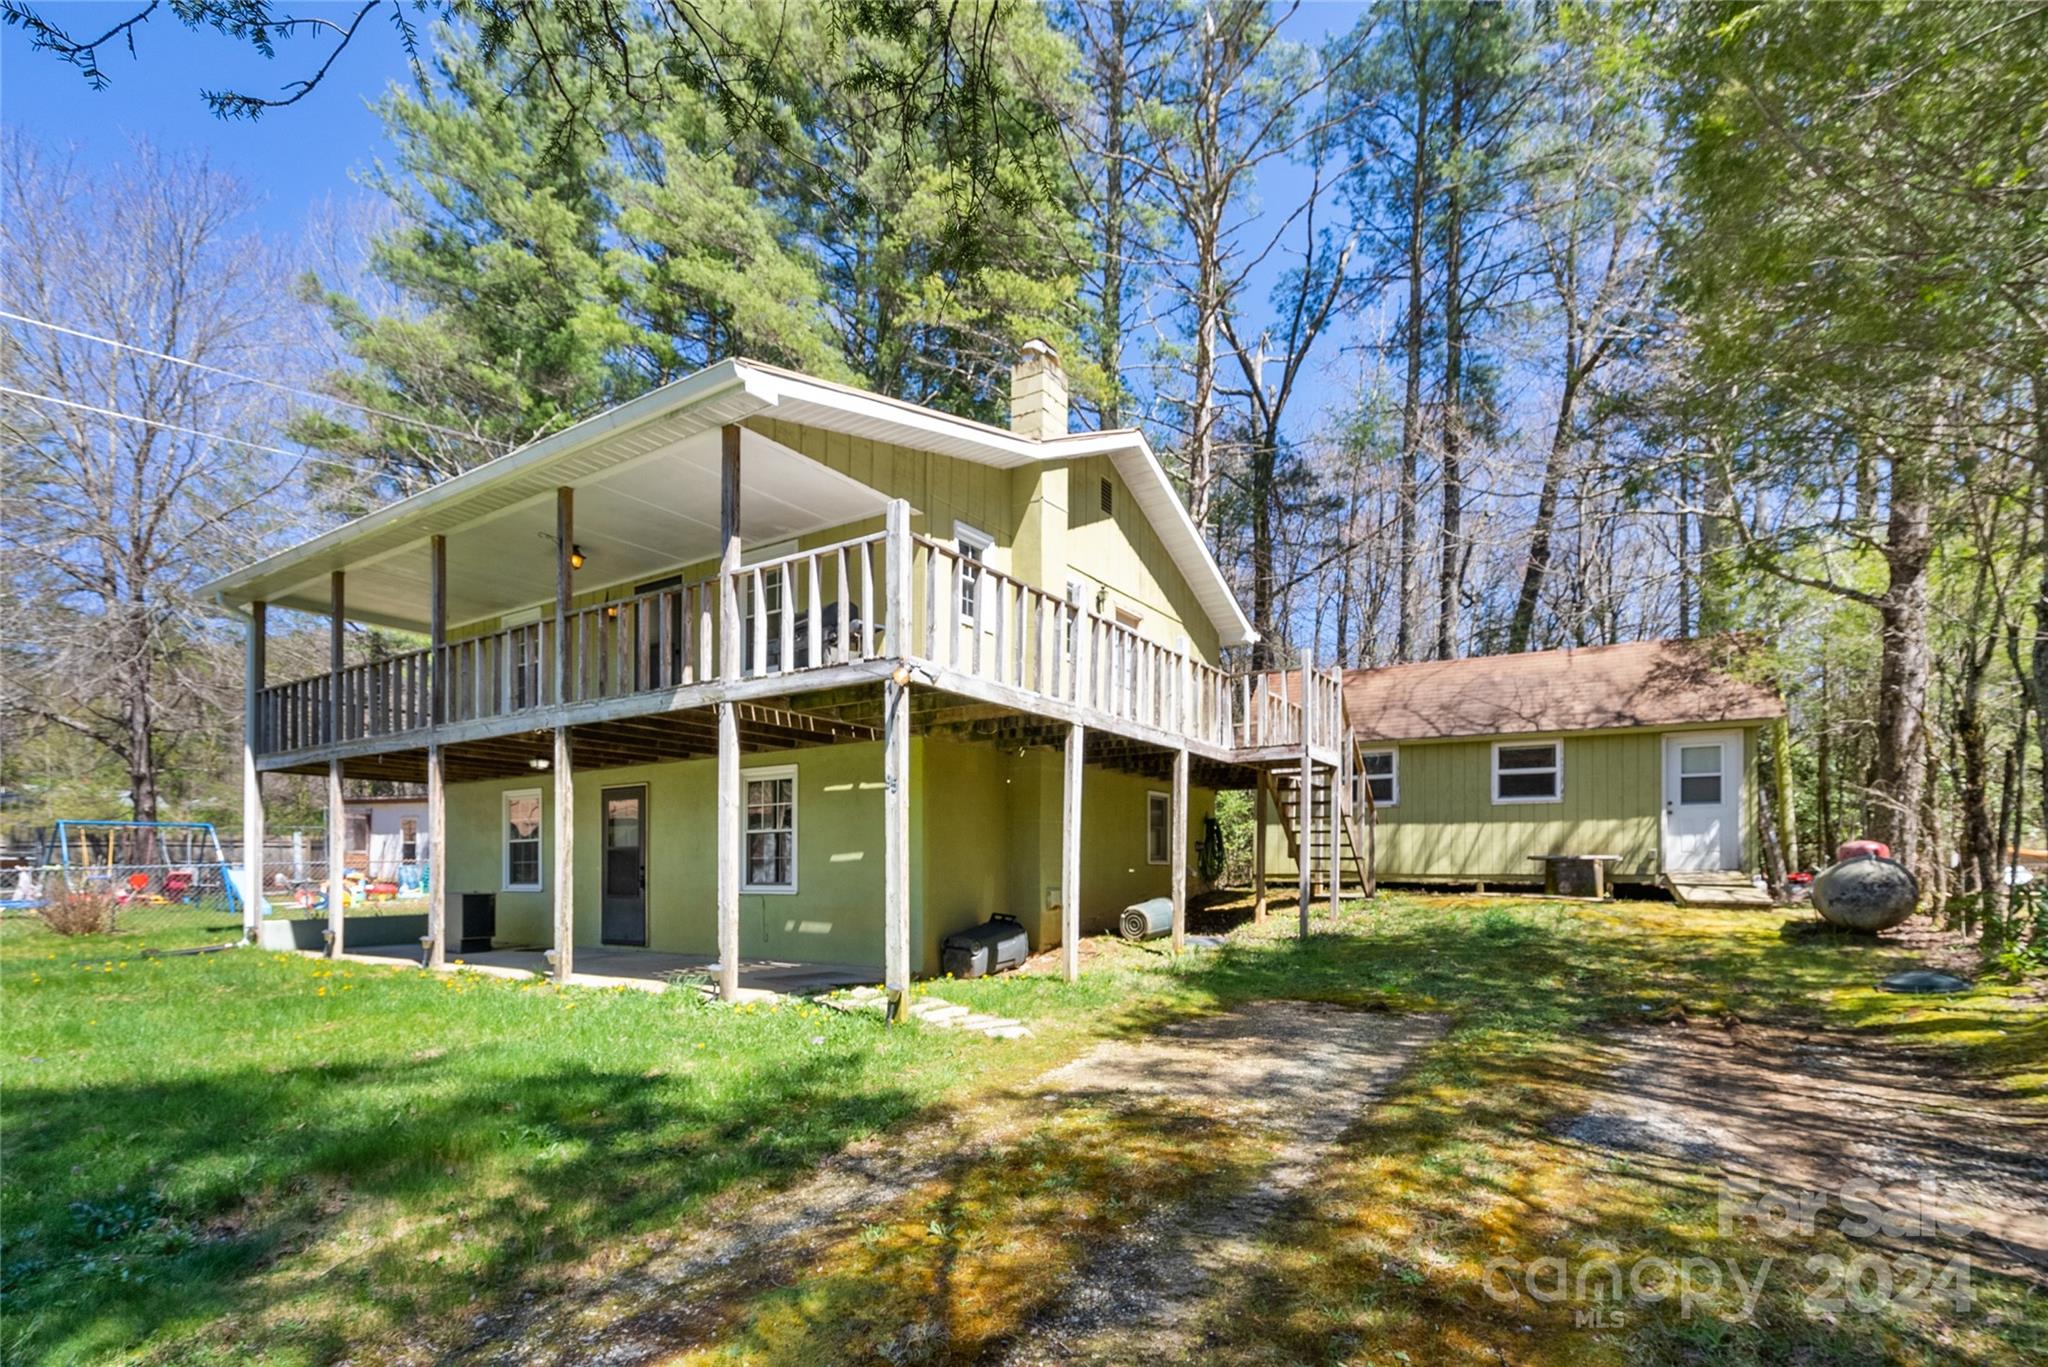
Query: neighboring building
[385, 837]
[766, 663]
[1645, 751]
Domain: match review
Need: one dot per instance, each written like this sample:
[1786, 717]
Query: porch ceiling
[635, 520]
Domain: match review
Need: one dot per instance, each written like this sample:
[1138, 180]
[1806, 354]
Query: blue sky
[298, 159]
[292, 159]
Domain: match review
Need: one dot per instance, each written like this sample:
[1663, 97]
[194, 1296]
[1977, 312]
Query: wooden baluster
[814, 614]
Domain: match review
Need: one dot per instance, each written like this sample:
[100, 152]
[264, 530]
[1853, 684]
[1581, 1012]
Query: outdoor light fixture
[537, 764]
[575, 556]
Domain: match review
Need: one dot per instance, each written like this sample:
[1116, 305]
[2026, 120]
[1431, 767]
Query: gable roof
[1637, 684]
[726, 392]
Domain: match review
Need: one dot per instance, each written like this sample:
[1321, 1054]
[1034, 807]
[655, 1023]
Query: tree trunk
[1524, 625]
[1451, 560]
[1109, 352]
[1408, 628]
[1899, 776]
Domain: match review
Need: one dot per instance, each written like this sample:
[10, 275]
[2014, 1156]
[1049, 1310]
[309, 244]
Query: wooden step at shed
[1706, 889]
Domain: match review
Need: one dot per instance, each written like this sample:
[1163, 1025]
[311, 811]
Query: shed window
[1158, 828]
[358, 832]
[409, 839]
[1528, 772]
[771, 830]
[1379, 772]
[522, 840]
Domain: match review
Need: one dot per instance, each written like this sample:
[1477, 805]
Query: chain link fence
[122, 878]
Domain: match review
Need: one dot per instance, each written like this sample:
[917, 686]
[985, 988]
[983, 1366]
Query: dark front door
[625, 866]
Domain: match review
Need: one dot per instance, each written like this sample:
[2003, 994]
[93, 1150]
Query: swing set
[167, 864]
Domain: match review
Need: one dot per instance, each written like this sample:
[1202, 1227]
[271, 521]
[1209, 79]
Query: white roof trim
[740, 388]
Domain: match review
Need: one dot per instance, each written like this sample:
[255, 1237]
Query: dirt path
[1304, 1072]
[1292, 1075]
[1799, 1113]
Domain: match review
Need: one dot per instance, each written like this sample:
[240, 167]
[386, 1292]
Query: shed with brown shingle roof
[1597, 688]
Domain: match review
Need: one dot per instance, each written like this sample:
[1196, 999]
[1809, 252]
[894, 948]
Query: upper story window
[1380, 774]
[974, 548]
[1528, 771]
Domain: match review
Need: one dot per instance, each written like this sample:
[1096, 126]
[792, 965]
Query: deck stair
[1327, 789]
[1709, 889]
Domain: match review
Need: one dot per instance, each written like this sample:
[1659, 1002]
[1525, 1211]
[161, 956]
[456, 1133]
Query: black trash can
[997, 944]
[478, 925]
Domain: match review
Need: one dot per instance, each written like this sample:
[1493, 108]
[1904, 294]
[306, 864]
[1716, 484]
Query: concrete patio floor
[645, 969]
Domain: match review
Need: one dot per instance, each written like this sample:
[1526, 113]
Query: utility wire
[251, 379]
[184, 431]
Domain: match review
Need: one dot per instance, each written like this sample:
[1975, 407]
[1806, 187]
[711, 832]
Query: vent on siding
[1108, 497]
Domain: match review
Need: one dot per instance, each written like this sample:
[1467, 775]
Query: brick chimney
[1038, 393]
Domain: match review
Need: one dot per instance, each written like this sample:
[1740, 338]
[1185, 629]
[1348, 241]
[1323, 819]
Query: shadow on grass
[232, 1185]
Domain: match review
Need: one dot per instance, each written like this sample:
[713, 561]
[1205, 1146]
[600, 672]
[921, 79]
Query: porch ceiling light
[537, 763]
[576, 556]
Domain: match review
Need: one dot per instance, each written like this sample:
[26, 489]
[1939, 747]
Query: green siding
[1121, 551]
[985, 837]
[1446, 825]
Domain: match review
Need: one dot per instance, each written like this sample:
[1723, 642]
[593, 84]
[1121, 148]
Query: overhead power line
[278, 385]
[178, 428]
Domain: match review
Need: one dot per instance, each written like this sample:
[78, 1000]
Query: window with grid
[1158, 828]
[974, 546]
[1379, 773]
[770, 861]
[522, 840]
[1528, 772]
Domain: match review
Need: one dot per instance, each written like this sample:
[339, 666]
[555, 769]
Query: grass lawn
[237, 1155]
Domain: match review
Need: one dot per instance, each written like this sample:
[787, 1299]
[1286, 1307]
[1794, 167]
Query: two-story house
[758, 666]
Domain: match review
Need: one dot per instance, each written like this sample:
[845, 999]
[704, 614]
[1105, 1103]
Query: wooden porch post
[337, 817]
[565, 775]
[1339, 775]
[1179, 819]
[728, 718]
[337, 822]
[437, 712]
[1259, 850]
[1304, 823]
[1070, 855]
[252, 778]
[565, 857]
[896, 768]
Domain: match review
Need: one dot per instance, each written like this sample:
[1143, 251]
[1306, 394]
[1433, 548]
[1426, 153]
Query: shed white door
[1703, 801]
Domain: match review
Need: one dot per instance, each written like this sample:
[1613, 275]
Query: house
[1477, 767]
[758, 667]
[385, 838]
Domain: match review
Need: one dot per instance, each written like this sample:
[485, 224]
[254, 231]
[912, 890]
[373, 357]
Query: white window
[974, 546]
[1380, 772]
[1158, 828]
[409, 839]
[769, 859]
[522, 840]
[1528, 771]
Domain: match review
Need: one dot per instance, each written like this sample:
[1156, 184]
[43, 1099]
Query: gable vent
[1108, 497]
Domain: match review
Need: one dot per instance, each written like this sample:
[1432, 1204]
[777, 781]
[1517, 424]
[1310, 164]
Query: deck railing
[810, 610]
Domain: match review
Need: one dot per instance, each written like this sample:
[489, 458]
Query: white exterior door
[1703, 801]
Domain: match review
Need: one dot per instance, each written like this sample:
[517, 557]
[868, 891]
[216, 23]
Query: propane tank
[1869, 893]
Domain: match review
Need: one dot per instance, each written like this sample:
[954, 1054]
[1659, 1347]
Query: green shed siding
[1445, 824]
[984, 838]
